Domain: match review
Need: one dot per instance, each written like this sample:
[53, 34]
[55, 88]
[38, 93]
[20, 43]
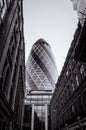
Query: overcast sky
[53, 20]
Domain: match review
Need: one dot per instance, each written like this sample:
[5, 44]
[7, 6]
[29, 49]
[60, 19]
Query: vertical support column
[32, 117]
[46, 117]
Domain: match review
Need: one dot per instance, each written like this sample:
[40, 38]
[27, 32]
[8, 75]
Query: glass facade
[41, 76]
[40, 101]
[41, 71]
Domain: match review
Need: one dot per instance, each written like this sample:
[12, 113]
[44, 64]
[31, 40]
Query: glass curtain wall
[40, 99]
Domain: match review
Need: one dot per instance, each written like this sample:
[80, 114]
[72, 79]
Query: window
[75, 108]
[77, 80]
[72, 108]
[73, 87]
[67, 73]
[70, 68]
[81, 69]
[80, 107]
[73, 60]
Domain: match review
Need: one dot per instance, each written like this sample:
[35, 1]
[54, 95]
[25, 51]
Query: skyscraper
[41, 71]
[41, 76]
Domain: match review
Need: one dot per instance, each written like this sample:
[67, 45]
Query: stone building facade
[12, 64]
[68, 104]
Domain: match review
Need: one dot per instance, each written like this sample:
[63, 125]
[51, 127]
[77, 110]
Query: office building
[12, 65]
[68, 104]
[41, 76]
[41, 71]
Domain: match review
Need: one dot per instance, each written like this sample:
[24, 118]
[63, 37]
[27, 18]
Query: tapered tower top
[41, 70]
[41, 41]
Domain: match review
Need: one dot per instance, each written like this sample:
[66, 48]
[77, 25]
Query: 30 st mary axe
[41, 71]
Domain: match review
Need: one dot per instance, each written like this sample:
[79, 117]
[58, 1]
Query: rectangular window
[77, 80]
[81, 69]
[73, 87]
[67, 73]
[73, 108]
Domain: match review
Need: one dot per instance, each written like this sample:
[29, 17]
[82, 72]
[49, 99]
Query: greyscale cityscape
[34, 96]
[41, 77]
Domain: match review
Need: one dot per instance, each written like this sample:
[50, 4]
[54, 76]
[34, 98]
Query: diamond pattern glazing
[41, 71]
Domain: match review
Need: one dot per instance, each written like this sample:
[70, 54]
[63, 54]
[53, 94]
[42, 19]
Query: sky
[53, 20]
